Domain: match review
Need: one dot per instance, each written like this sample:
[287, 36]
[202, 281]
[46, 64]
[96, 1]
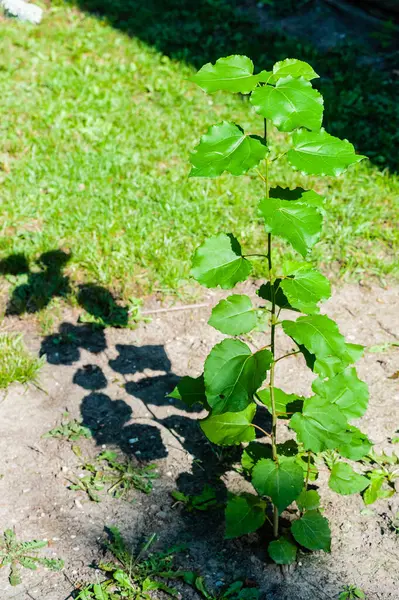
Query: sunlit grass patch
[16, 363]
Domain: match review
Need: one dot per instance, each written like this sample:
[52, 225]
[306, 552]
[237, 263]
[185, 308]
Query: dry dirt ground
[117, 382]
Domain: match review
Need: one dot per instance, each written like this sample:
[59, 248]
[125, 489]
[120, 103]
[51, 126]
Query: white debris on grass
[22, 10]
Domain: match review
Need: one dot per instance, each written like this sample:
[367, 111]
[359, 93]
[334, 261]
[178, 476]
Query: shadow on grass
[40, 286]
[359, 76]
[48, 281]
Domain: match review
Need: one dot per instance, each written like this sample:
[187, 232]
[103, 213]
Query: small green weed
[16, 364]
[24, 554]
[206, 500]
[121, 477]
[383, 347]
[382, 470]
[134, 578]
[71, 430]
[351, 592]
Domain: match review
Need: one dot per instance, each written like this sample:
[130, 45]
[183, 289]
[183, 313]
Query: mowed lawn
[96, 129]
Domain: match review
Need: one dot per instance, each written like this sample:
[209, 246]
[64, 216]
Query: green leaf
[309, 197]
[282, 482]
[304, 287]
[308, 500]
[320, 426]
[244, 514]
[282, 551]
[225, 147]
[319, 153]
[284, 403]
[99, 592]
[234, 316]
[28, 562]
[190, 390]
[373, 491]
[296, 222]
[232, 73]
[233, 374]
[312, 531]
[293, 103]
[253, 453]
[321, 337]
[219, 262]
[344, 480]
[357, 446]
[293, 67]
[15, 575]
[230, 428]
[345, 390]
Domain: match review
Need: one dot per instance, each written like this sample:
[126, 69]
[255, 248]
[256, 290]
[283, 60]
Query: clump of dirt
[116, 381]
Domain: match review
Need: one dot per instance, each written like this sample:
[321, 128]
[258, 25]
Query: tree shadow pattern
[48, 281]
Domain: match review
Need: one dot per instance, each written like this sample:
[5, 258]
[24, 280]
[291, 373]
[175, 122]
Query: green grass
[96, 129]
[16, 364]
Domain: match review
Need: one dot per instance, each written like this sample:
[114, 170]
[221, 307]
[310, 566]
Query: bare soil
[117, 381]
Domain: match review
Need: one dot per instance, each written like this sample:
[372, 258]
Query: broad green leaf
[312, 531]
[285, 404]
[219, 262]
[233, 374]
[225, 147]
[357, 446]
[282, 482]
[344, 480]
[375, 490]
[309, 197]
[234, 316]
[253, 453]
[320, 426]
[190, 390]
[308, 500]
[232, 73]
[345, 390]
[99, 592]
[319, 153]
[294, 221]
[244, 514]
[295, 68]
[230, 428]
[291, 104]
[321, 337]
[282, 551]
[304, 287]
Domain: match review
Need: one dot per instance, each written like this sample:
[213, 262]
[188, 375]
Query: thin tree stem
[308, 471]
[272, 342]
[262, 430]
[286, 355]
